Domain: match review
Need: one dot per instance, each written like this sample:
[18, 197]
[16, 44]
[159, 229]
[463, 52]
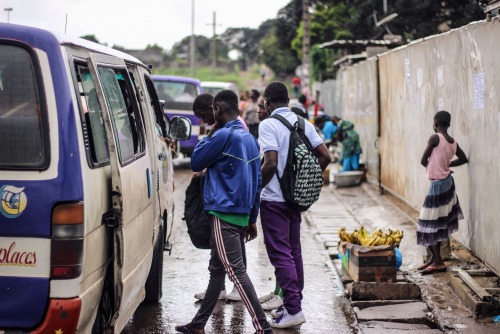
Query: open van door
[131, 218]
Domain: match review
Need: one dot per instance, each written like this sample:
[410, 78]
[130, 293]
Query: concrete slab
[383, 290]
[362, 304]
[399, 331]
[383, 327]
[410, 313]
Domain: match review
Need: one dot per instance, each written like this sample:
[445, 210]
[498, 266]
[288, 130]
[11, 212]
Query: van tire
[105, 309]
[154, 282]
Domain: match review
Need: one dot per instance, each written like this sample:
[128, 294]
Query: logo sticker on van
[14, 201]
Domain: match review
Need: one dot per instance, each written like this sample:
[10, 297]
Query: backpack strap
[299, 127]
[284, 121]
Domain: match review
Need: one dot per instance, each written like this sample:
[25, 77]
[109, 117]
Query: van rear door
[132, 212]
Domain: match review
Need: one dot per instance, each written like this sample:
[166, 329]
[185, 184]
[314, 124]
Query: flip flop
[422, 267]
[433, 269]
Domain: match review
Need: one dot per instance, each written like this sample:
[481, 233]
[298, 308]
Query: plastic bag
[399, 257]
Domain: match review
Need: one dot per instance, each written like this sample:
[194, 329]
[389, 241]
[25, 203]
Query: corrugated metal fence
[458, 71]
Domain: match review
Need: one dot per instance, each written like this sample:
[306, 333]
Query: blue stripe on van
[21, 292]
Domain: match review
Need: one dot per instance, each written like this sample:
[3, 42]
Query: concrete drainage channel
[387, 307]
[379, 307]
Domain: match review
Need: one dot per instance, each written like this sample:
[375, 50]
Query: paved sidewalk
[364, 205]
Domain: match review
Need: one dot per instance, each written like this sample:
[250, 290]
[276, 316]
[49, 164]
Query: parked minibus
[178, 94]
[86, 184]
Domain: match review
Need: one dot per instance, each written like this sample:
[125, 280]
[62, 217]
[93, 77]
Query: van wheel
[105, 309]
[154, 283]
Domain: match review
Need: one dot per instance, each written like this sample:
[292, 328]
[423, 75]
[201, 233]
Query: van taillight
[66, 254]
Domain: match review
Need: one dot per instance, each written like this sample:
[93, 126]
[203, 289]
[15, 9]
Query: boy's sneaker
[201, 295]
[287, 320]
[233, 295]
[278, 312]
[274, 303]
[266, 298]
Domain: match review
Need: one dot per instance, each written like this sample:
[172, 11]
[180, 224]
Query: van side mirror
[180, 128]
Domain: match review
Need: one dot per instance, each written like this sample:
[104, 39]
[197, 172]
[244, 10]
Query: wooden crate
[373, 266]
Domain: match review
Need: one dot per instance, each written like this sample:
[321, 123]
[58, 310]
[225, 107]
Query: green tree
[328, 21]
[277, 55]
[91, 38]
[276, 37]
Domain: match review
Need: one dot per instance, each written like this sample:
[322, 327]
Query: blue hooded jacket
[233, 182]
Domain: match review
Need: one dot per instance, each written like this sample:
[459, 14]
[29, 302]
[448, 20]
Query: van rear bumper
[62, 316]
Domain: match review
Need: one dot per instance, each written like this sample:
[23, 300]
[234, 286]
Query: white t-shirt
[275, 136]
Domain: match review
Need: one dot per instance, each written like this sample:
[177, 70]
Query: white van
[86, 184]
[213, 87]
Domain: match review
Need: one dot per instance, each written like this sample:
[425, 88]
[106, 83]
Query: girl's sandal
[433, 269]
[422, 267]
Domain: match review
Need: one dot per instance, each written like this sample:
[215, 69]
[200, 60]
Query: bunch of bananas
[376, 238]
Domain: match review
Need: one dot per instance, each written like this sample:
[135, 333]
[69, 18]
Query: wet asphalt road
[185, 273]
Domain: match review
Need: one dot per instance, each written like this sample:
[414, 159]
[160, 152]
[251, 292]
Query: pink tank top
[438, 167]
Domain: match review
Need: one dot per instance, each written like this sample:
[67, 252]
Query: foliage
[327, 22]
[276, 37]
[321, 59]
[277, 55]
[91, 38]
[202, 46]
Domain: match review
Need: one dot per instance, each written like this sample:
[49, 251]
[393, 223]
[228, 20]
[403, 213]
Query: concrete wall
[459, 72]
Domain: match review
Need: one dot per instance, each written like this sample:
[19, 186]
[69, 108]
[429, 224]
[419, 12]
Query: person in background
[296, 82]
[243, 101]
[351, 147]
[250, 113]
[441, 211]
[300, 107]
[231, 196]
[328, 129]
[280, 219]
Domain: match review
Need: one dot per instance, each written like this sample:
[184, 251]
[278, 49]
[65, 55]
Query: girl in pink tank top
[441, 211]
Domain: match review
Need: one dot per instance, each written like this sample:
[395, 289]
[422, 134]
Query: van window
[24, 141]
[160, 118]
[125, 117]
[177, 95]
[93, 121]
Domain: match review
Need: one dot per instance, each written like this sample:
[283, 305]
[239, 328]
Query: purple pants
[281, 229]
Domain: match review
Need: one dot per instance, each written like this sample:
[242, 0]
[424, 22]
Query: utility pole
[191, 42]
[8, 10]
[214, 45]
[306, 44]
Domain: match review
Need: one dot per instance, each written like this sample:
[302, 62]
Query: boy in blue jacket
[232, 196]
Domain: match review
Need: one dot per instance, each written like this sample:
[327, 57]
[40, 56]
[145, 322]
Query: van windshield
[177, 95]
[21, 127]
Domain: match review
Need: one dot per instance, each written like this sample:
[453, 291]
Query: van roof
[175, 78]
[40, 37]
[217, 84]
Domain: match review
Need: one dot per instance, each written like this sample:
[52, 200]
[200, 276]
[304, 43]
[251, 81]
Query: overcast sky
[134, 24]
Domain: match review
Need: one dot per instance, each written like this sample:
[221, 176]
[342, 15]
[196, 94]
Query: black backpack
[302, 177]
[197, 220]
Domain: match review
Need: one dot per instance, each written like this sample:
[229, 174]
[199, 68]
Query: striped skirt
[440, 214]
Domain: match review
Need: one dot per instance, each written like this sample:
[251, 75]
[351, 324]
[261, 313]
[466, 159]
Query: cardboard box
[372, 266]
[369, 264]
